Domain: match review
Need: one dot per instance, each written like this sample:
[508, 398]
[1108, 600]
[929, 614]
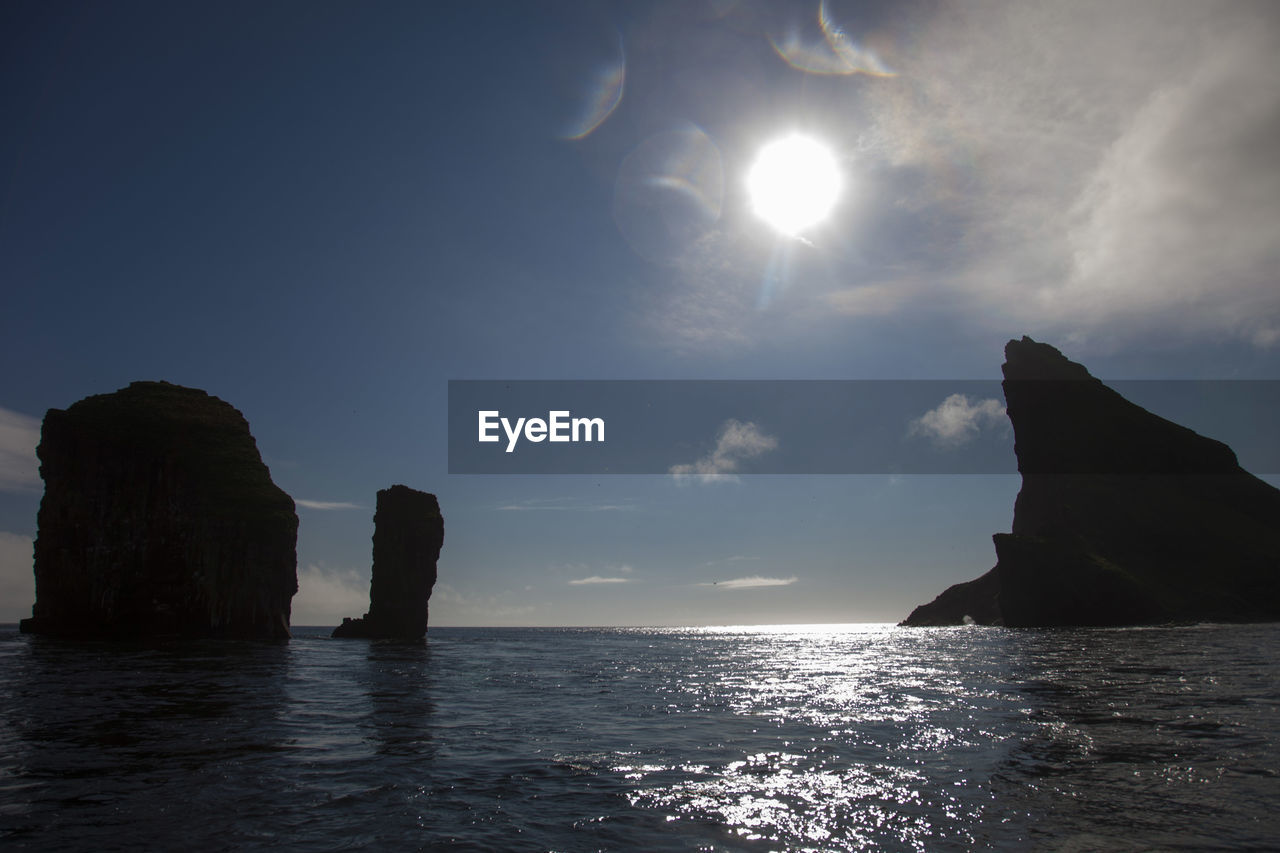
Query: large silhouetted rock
[159, 517]
[1124, 518]
[407, 534]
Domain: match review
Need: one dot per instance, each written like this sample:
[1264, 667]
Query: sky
[323, 213]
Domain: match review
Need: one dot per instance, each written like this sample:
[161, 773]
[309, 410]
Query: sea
[810, 737]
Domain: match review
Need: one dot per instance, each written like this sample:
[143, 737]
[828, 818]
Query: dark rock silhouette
[1124, 518]
[976, 601]
[159, 517]
[407, 535]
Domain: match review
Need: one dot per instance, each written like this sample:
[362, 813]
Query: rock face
[1124, 518]
[407, 535]
[159, 517]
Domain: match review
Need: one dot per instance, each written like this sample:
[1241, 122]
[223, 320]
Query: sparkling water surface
[775, 738]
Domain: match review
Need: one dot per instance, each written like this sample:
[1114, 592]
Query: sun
[794, 183]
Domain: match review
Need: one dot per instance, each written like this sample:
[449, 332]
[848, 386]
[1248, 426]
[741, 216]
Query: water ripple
[815, 738]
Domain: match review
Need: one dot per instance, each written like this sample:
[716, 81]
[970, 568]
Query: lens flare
[603, 98]
[794, 184]
[601, 94]
[836, 52]
[669, 193]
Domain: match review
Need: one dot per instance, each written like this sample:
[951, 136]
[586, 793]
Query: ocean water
[786, 738]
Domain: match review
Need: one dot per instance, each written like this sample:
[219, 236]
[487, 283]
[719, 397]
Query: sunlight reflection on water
[852, 721]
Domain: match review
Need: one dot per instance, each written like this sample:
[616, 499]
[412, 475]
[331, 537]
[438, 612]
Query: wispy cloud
[737, 441]
[736, 558]
[326, 505]
[708, 300]
[752, 582]
[596, 579]
[562, 505]
[19, 467]
[17, 579]
[1123, 178]
[958, 420]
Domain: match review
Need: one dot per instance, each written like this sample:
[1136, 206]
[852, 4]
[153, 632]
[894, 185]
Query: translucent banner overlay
[738, 427]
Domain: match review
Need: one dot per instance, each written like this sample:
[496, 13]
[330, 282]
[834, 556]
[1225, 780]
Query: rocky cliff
[1123, 518]
[407, 536]
[159, 516]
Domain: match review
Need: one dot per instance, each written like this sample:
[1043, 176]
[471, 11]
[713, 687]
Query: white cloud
[326, 505]
[595, 579]
[753, 582]
[958, 420]
[19, 467]
[326, 595]
[737, 441]
[17, 577]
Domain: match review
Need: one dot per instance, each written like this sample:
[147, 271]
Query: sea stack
[1124, 518]
[408, 532]
[159, 517]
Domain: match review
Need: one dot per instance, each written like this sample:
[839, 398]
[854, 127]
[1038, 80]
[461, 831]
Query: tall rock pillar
[407, 536]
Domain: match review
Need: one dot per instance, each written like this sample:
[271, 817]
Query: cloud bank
[19, 467]
[325, 595]
[449, 606]
[17, 578]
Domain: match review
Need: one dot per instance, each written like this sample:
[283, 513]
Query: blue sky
[321, 213]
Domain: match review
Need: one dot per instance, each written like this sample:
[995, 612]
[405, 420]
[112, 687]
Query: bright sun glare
[794, 183]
